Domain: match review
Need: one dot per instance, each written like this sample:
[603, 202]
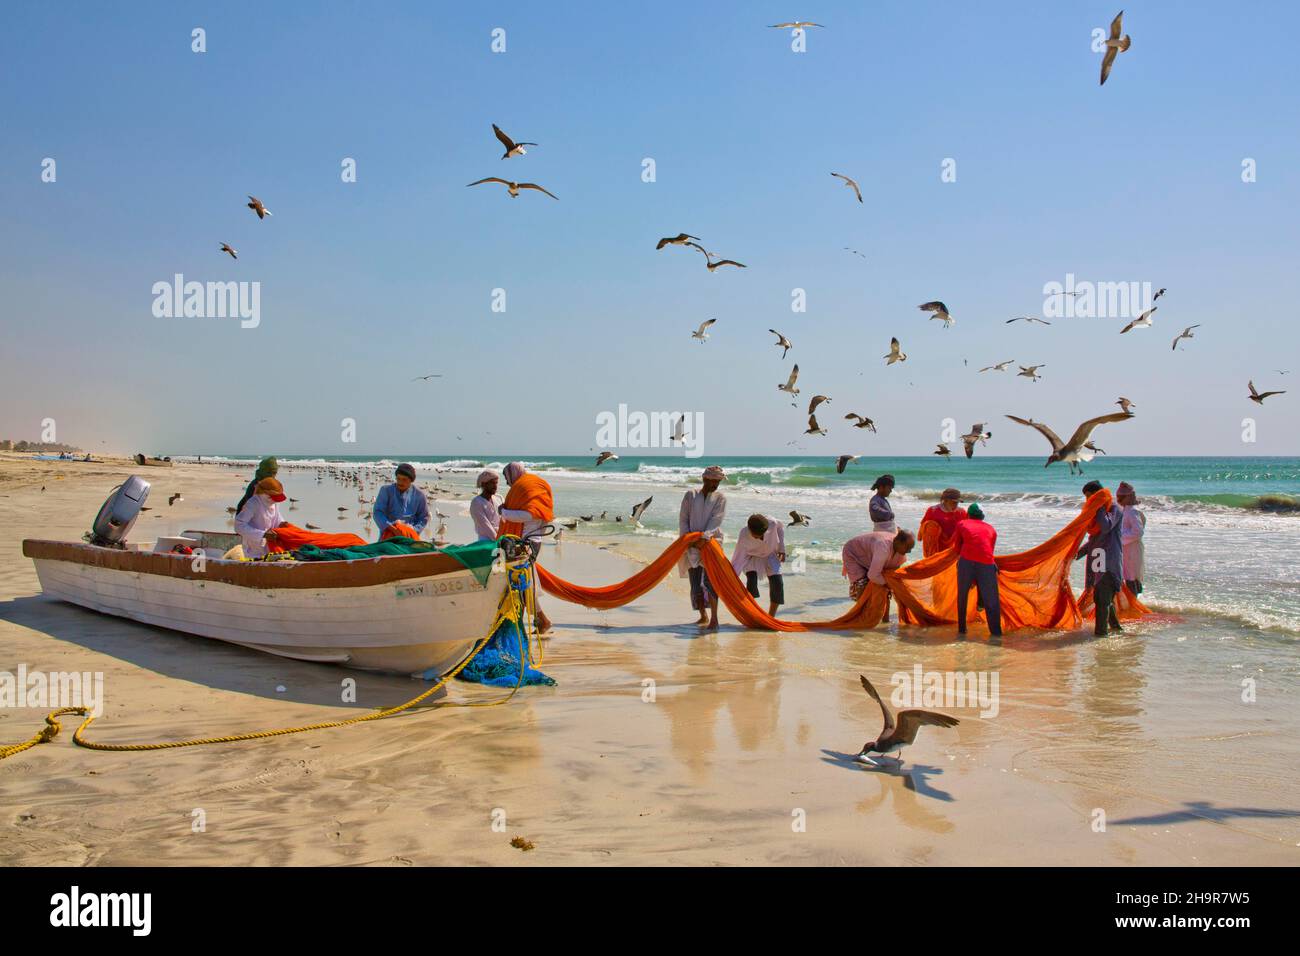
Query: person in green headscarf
[266, 468]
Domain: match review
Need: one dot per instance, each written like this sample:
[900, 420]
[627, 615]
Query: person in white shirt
[1131, 530]
[702, 511]
[761, 547]
[260, 516]
[483, 509]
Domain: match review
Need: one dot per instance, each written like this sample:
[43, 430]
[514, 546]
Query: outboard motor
[119, 512]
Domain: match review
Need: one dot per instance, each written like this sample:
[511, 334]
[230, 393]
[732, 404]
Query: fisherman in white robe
[703, 511]
[1131, 530]
[483, 509]
[260, 516]
[760, 547]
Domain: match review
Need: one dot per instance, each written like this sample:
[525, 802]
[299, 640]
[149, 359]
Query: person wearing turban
[702, 511]
[483, 509]
[257, 520]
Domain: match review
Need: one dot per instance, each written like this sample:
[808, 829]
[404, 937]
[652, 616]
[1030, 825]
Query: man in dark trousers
[975, 540]
[1104, 562]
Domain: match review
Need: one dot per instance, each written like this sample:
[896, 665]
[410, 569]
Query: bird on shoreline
[900, 729]
[702, 332]
[512, 148]
[1076, 449]
[789, 387]
[1030, 372]
[1115, 45]
[976, 434]
[1184, 334]
[512, 187]
[681, 239]
[226, 248]
[1143, 321]
[940, 312]
[851, 184]
[862, 421]
[1028, 318]
[1258, 397]
[895, 354]
[782, 342]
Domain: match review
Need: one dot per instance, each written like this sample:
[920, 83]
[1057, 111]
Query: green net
[476, 557]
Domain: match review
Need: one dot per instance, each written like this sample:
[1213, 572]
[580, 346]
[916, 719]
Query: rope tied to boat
[517, 605]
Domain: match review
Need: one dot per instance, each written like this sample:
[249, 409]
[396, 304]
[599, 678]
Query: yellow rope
[510, 608]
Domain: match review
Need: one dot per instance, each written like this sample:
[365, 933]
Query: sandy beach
[741, 754]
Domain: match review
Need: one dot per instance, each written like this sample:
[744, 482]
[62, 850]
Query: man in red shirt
[946, 515]
[975, 539]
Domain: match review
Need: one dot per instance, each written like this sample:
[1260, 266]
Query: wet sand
[743, 756]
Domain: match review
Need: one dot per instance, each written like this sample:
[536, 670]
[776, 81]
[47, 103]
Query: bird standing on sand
[900, 729]
[226, 248]
[850, 183]
[512, 187]
[789, 387]
[1115, 45]
[1030, 372]
[861, 422]
[1000, 367]
[1076, 449]
[1184, 334]
[1126, 405]
[1143, 321]
[680, 239]
[842, 462]
[942, 449]
[976, 434]
[782, 342]
[895, 354]
[1258, 397]
[605, 456]
[798, 519]
[255, 204]
[512, 148]
[940, 312]
[702, 332]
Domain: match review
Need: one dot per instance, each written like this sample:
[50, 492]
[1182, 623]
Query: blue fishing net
[497, 665]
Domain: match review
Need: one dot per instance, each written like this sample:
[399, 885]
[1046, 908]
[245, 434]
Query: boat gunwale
[261, 575]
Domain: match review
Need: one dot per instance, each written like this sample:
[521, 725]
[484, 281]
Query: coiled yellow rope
[512, 607]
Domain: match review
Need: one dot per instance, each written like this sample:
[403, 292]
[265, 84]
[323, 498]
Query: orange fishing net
[399, 529]
[1033, 587]
[529, 493]
[289, 537]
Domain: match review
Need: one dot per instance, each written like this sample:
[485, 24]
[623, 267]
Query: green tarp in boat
[477, 557]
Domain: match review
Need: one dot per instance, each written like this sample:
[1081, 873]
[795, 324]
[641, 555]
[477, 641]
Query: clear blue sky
[366, 285]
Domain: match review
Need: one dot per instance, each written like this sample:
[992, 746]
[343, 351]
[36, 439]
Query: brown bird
[816, 400]
[976, 434]
[851, 184]
[942, 450]
[312, 527]
[1076, 449]
[678, 240]
[842, 462]
[1114, 46]
[861, 421]
[1125, 404]
[173, 499]
[1258, 397]
[225, 247]
[255, 204]
[512, 187]
[512, 148]
[725, 262]
[813, 428]
[900, 729]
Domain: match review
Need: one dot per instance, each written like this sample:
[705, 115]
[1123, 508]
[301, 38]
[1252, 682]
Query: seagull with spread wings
[512, 148]
[782, 342]
[789, 387]
[255, 204]
[1076, 449]
[862, 421]
[813, 428]
[816, 400]
[940, 312]
[1184, 334]
[1115, 45]
[512, 187]
[852, 184]
[895, 354]
[681, 239]
[1000, 367]
[900, 729]
[702, 332]
[225, 247]
[842, 462]
[976, 434]
[1143, 321]
[1028, 318]
[1258, 397]
[1030, 372]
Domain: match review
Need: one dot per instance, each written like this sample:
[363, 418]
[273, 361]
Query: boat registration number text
[430, 589]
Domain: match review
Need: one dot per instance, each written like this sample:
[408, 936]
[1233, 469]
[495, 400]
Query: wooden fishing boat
[417, 613]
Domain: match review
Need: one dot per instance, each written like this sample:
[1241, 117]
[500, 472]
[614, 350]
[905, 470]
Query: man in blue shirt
[1104, 563]
[401, 501]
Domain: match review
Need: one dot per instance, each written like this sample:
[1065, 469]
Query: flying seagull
[813, 428]
[225, 247]
[639, 510]
[1126, 405]
[798, 519]
[1000, 367]
[789, 387]
[1184, 334]
[1141, 322]
[1076, 449]
[816, 400]
[851, 183]
[425, 378]
[1028, 318]
[1158, 294]
[940, 312]
[842, 462]
[679, 430]
[1030, 372]
[977, 434]
[255, 204]
[942, 450]
[794, 25]
[513, 187]
[1115, 45]
[605, 456]
[861, 421]
[782, 342]
[702, 332]
[894, 354]
[678, 240]
[1258, 397]
[711, 265]
[900, 729]
[512, 148]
